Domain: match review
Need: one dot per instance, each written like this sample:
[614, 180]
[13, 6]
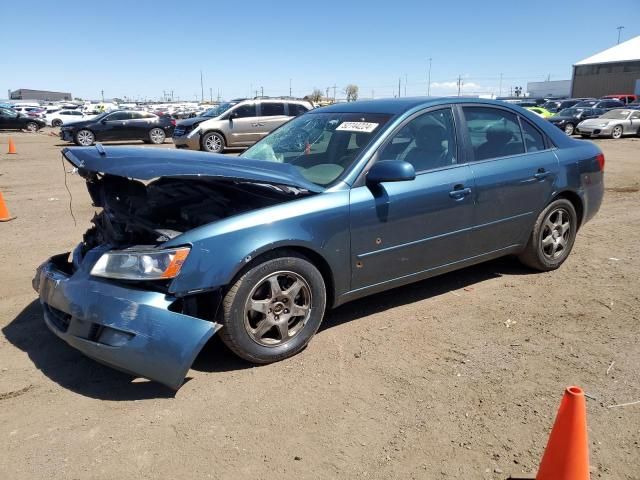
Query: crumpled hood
[149, 163]
[188, 122]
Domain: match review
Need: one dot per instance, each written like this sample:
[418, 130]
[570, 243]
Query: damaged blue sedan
[337, 204]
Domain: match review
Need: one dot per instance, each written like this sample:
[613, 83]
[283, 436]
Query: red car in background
[625, 98]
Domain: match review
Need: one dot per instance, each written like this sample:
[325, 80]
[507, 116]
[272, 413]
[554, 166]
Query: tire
[616, 133]
[552, 238]
[569, 129]
[212, 142]
[32, 127]
[84, 138]
[157, 136]
[270, 331]
[56, 123]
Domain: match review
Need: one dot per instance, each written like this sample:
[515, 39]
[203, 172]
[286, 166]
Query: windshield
[550, 105]
[571, 112]
[320, 145]
[616, 114]
[217, 110]
[586, 103]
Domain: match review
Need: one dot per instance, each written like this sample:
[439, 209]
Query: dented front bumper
[129, 329]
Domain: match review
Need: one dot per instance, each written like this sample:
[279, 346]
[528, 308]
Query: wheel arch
[575, 200]
[315, 258]
[214, 130]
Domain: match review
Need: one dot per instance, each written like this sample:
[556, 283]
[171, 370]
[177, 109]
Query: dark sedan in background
[119, 125]
[339, 203]
[568, 118]
[12, 120]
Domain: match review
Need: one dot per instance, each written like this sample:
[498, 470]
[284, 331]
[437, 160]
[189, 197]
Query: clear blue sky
[139, 48]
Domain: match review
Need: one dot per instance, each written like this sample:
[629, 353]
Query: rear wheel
[273, 310]
[32, 127]
[616, 133]
[56, 123]
[157, 136]
[569, 128]
[84, 138]
[552, 237]
[212, 142]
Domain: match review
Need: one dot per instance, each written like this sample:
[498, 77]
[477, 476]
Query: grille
[59, 319]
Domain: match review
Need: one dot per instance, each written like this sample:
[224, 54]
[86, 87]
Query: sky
[139, 48]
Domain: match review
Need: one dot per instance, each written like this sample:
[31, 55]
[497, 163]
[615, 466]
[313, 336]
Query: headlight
[141, 265]
[603, 124]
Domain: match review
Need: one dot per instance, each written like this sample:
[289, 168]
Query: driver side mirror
[390, 171]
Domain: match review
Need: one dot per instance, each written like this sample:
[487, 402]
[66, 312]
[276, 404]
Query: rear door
[514, 169]
[242, 128]
[270, 116]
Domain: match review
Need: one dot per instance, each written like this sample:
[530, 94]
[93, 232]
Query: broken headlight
[141, 265]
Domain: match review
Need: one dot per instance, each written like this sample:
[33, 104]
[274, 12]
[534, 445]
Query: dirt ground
[454, 377]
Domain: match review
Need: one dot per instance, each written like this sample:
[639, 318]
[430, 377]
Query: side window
[296, 109]
[533, 139]
[635, 115]
[271, 109]
[75, 112]
[494, 132]
[118, 116]
[246, 110]
[427, 141]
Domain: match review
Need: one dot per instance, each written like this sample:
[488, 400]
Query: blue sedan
[337, 204]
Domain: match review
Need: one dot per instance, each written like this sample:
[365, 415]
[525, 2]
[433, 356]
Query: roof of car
[396, 106]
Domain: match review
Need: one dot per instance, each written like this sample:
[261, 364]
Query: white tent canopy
[624, 52]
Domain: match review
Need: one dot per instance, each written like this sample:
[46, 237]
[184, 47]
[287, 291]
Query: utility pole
[218, 95]
[619, 30]
[262, 91]
[399, 82]
[102, 93]
[429, 80]
[405, 84]
[210, 95]
[201, 88]
[290, 87]
[500, 91]
[172, 95]
[460, 83]
[327, 95]
[334, 92]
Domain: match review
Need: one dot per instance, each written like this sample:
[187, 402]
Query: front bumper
[66, 135]
[595, 131]
[129, 329]
[190, 141]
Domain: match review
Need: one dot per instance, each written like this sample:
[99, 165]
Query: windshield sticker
[364, 127]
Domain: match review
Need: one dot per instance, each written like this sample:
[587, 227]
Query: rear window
[494, 132]
[533, 139]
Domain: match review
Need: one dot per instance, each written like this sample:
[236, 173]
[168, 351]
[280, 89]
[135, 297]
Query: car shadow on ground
[118, 144]
[72, 370]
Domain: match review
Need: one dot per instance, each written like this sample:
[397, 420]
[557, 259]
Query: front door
[403, 231]
[116, 126]
[243, 126]
[514, 170]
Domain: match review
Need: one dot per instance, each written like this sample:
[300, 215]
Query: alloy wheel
[569, 128]
[278, 308]
[85, 138]
[617, 132]
[213, 143]
[157, 135]
[556, 233]
[32, 127]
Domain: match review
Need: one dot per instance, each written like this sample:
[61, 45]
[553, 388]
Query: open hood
[150, 163]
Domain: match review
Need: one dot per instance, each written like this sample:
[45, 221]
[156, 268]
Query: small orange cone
[567, 454]
[5, 216]
[12, 146]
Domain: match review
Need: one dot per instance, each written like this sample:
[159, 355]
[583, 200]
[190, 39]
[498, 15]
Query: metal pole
[405, 84]
[262, 91]
[399, 81]
[619, 30]
[290, 87]
[201, 88]
[429, 80]
[334, 93]
[500, 91]
[210, 95]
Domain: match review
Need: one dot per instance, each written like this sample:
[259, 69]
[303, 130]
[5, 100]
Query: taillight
[173, 122]
[600, 158]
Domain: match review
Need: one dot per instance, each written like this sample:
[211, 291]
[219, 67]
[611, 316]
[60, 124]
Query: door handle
[541, 174]
[459, 192]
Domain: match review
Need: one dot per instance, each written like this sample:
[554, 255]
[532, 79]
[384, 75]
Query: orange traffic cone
[5, 216]
[12, 146]
[567, 454]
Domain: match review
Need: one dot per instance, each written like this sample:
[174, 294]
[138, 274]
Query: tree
[316, 95]
[351, 91]
[78, 99]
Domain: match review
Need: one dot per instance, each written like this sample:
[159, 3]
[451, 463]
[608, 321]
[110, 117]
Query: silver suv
[239, 123]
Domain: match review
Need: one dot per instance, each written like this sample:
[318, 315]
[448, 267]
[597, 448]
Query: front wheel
[552, 237]
[212, 142]
[56, 123]
[32, 127]
[274, 309]
[569, 128]
[84, 138]
[616, 133]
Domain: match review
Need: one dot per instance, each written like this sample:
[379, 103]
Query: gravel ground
[454, 377]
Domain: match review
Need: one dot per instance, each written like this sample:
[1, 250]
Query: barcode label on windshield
[365, 127]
